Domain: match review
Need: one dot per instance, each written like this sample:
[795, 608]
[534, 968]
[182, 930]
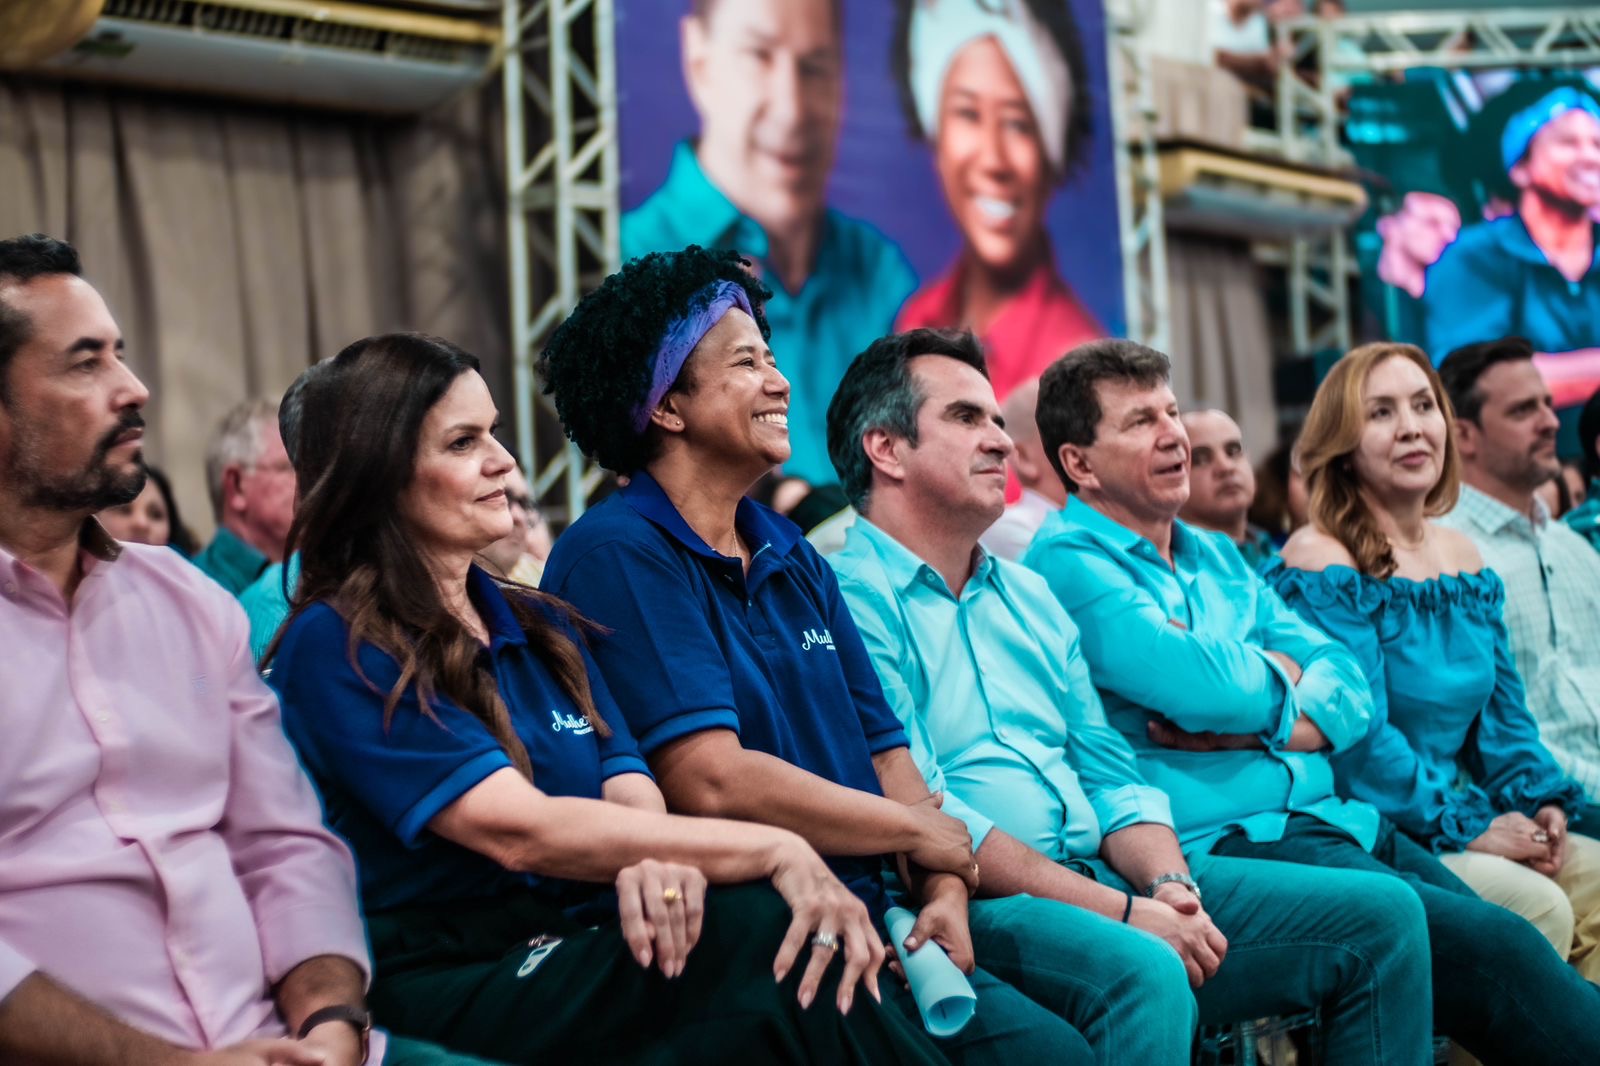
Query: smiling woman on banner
[469, 752]
[998, 89]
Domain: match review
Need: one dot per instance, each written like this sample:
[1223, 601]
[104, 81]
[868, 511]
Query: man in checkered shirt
[1506, 430]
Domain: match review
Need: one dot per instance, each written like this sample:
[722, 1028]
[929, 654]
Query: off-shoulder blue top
[1451, 743]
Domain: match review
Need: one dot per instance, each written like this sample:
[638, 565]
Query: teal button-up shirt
[855, 289]
[1585, 518]
[1188, 643]
[230, 562]
[995, 698]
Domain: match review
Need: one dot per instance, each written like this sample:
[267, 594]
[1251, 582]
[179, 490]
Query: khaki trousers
[1566, 908]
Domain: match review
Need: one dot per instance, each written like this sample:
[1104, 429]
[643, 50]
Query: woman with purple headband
[726, 641]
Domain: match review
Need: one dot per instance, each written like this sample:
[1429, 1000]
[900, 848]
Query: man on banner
[766, 78]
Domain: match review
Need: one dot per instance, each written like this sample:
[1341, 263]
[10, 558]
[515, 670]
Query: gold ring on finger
[671, 895]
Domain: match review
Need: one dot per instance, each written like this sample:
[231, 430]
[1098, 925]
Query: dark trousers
[451, 976]
[1498, 989]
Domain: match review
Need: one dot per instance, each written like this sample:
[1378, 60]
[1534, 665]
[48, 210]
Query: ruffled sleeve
[1382, 768]
[1504, 753]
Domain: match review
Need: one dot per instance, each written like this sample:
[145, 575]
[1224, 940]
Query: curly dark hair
[597, 364]
[1059, 22]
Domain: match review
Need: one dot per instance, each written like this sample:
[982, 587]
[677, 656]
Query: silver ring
[826, 940]
[1541, 837]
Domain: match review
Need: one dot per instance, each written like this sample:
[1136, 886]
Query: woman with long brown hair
[1453, 756]
[518, 868]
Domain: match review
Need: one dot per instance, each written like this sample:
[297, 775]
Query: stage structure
[1308, 113]
[1139, 213]
[563, 184]
[562, 180]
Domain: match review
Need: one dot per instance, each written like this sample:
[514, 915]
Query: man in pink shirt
[168, 893]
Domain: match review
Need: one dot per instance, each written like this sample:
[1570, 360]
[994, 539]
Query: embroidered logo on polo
[810, 638]
[576, 724]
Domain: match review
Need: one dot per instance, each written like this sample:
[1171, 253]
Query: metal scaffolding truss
[1308, 112]
[562, 181]
[1138, 172]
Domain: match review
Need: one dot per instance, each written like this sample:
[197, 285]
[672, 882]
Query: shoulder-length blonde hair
[1331, 435]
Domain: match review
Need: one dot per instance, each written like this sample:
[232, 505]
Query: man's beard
[94, 488]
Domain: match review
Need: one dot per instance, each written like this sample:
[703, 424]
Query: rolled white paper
[943, 993]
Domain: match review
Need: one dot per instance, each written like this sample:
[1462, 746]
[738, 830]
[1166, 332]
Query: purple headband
[682, 335]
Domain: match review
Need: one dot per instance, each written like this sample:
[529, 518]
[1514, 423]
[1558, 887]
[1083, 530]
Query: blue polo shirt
[1494, 281]
[382, 785]
[696, 644]
[850, 300]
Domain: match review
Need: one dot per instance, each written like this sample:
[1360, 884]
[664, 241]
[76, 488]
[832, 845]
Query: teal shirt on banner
[850, 300]
[1188, 643]
[995, 698]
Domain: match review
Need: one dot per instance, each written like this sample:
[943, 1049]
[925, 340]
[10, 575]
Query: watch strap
[356, 1017]
[1173, 878]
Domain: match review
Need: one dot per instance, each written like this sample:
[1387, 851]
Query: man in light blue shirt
[1232, 703]
[982, 667]
[767, 79]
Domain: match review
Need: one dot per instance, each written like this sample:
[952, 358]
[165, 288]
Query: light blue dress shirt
[1451, 743]
[995, 698]
[857, 285]
[1188, 643]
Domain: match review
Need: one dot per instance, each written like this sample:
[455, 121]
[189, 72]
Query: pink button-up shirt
[161, 852]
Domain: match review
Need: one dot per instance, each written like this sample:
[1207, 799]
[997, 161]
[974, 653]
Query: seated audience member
[1222, 486]
[1585, 518]
[150, 517]
[726, 642]
[1041, 489]
[266, 599]
[510, 557]
[252, 496]
[1238, 721]
[470, 754]
[1505, 431]
[167, 890]
[1453, 757]
[982, 667]
[1280, 503]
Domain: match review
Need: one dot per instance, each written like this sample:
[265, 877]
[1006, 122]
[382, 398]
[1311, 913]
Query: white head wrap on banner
[940, 29]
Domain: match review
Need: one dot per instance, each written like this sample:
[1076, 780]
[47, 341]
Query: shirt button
[102, 718]
[10, 589]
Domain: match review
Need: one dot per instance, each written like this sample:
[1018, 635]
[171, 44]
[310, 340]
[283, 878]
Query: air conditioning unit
[361, 57]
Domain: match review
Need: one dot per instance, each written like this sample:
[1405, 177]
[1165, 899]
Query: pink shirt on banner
[1039, 325]
[161, 853]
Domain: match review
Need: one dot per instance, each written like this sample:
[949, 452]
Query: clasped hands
[1539, 843]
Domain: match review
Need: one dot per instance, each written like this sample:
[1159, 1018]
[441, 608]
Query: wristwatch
[353, 1016]
[1174, 878]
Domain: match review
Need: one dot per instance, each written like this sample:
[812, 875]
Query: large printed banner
[1484, 225]
[885, 164]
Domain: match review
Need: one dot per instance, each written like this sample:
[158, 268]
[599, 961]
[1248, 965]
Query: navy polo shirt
[381, 786]
[696, 644]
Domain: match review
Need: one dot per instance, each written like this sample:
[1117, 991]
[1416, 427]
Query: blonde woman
[1453, 756]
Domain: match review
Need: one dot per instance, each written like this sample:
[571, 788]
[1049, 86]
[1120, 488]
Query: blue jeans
[1353, 944]
[1009, 1028]
[1498, 989]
